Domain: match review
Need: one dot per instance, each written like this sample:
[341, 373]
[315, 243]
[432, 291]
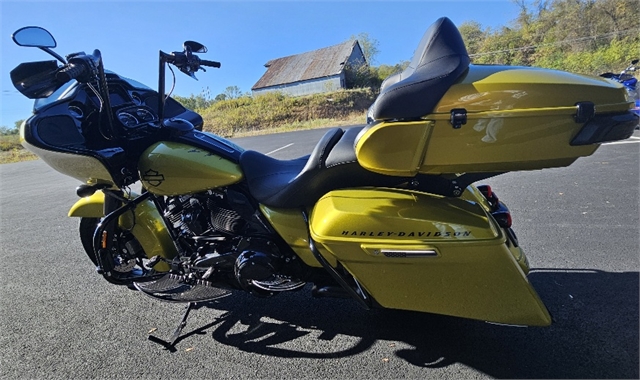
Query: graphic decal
[153, 177]
[445, 234]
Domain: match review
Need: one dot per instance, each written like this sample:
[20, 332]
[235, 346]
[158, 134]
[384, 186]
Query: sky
[242, 35]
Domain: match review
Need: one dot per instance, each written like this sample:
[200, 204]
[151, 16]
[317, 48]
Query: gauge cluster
[133, 117]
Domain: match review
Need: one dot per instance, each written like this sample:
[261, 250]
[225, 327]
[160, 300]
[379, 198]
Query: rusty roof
[319, 63]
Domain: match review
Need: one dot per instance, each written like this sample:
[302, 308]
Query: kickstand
[176, 334]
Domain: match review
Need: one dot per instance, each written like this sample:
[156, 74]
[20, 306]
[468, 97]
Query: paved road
[579, 226]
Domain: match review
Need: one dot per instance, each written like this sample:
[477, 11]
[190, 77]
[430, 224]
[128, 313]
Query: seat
[301, 182]
[440, 59]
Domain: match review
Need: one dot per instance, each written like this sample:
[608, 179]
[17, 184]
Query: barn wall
[312, 86]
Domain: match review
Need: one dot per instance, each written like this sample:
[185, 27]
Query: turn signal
[104, 240]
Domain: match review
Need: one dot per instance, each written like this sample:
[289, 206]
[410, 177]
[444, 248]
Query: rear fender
[144, 221]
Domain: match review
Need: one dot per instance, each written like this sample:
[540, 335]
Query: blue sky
[242, 35]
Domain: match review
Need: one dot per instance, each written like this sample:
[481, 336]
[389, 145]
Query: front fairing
[70, 133]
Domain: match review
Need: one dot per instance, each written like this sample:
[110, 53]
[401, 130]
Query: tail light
[502, 216]
[499, 210]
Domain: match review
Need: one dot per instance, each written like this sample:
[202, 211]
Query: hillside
[277, 112]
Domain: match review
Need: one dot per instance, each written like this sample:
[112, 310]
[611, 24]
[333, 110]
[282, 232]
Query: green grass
[10, 142]
[275, 111]
[12, 151]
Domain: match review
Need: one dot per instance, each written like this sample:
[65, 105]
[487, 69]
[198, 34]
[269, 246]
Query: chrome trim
[76, 112]
[409, 253]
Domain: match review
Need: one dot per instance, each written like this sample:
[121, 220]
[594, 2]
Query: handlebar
[80, 66]
[204, 62]
[187, 62]
[70, 72]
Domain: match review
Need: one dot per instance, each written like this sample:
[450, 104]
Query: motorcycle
[630, 82]
[386, 213]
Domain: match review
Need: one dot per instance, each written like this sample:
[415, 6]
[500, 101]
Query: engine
[224, 239]
[202, 214]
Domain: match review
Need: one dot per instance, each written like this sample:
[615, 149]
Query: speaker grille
[59, 131]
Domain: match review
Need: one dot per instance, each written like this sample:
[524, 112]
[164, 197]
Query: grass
[11, 150]
[252, 116]
[277, 112]
[352, 119]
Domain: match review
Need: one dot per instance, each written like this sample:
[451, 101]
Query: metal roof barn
[312, 72]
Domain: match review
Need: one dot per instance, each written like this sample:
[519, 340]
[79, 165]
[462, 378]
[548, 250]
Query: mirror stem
[53, 53]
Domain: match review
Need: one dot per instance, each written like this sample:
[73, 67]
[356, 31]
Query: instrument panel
[132, 117]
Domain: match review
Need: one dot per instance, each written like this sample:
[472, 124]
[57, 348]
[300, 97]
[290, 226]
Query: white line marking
[630, 140]
[279, 149]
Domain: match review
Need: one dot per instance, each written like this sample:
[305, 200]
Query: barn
[316, 71]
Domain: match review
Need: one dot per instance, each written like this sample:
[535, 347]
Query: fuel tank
[423, 252]
[170, 168]
[502, 118]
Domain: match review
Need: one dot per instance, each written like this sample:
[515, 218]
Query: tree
[360, 75]
[5, 131]
[473, 35]
[583, 36]
[369, 46]
[195, 102]
[232, 92]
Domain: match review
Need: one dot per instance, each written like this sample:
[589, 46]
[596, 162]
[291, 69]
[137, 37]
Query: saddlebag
[422, 252]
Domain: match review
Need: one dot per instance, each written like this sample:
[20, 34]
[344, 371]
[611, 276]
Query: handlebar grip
[70, 72]
[204, 62]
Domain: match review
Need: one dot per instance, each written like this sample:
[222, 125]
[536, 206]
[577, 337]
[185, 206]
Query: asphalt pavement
[579, 226]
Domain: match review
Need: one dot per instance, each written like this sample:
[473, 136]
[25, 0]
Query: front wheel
[87, 229]
[126, 252]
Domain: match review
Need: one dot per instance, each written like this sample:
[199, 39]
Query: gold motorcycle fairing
[517, 119]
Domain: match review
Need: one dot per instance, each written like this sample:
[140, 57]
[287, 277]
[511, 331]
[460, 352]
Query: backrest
[440, 59]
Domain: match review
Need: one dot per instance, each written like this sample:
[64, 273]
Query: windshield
[67, 90]
[136, 84]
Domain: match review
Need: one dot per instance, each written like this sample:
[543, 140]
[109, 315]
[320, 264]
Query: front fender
[88, 207]
[145, 224]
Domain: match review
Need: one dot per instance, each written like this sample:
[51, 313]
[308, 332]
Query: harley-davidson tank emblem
[153, 177]
[418, 234]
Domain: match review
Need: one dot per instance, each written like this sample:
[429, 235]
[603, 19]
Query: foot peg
[177, 288]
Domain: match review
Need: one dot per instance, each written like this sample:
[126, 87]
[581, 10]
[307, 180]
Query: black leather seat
[301, 182]
[440, 59]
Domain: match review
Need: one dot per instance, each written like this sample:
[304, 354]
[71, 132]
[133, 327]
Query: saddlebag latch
[586, 112]
[458, 117]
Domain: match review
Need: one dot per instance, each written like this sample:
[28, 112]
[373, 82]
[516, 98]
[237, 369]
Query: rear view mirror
[34, 36]
[194, 47]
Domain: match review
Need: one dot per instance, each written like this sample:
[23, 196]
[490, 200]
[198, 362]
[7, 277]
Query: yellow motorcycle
[386, 213]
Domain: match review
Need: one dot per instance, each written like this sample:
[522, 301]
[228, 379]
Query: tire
[87, 229]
